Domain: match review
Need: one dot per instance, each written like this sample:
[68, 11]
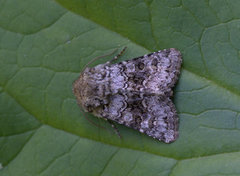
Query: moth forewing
[135, 93]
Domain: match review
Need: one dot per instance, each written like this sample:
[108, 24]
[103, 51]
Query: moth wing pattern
[154, 73]
[153, 115]
[135, 93]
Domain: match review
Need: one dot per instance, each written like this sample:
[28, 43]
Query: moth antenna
[119, 54]
[115, 128]
[98, 57]
[92, 122]
[91, 61]
[99, 126]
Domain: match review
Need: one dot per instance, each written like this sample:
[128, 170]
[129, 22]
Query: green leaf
[45, 44]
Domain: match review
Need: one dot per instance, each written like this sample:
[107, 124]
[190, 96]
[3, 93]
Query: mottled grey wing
[150, 114]
[155, 73]
[135, 93]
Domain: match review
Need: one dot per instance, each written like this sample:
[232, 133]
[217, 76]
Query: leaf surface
[45, 44]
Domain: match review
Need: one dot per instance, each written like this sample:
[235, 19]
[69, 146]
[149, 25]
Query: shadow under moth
[135, 93]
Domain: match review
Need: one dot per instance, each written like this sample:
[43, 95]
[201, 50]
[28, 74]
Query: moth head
[88, 92]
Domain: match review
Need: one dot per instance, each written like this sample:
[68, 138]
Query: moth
[136, 93]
